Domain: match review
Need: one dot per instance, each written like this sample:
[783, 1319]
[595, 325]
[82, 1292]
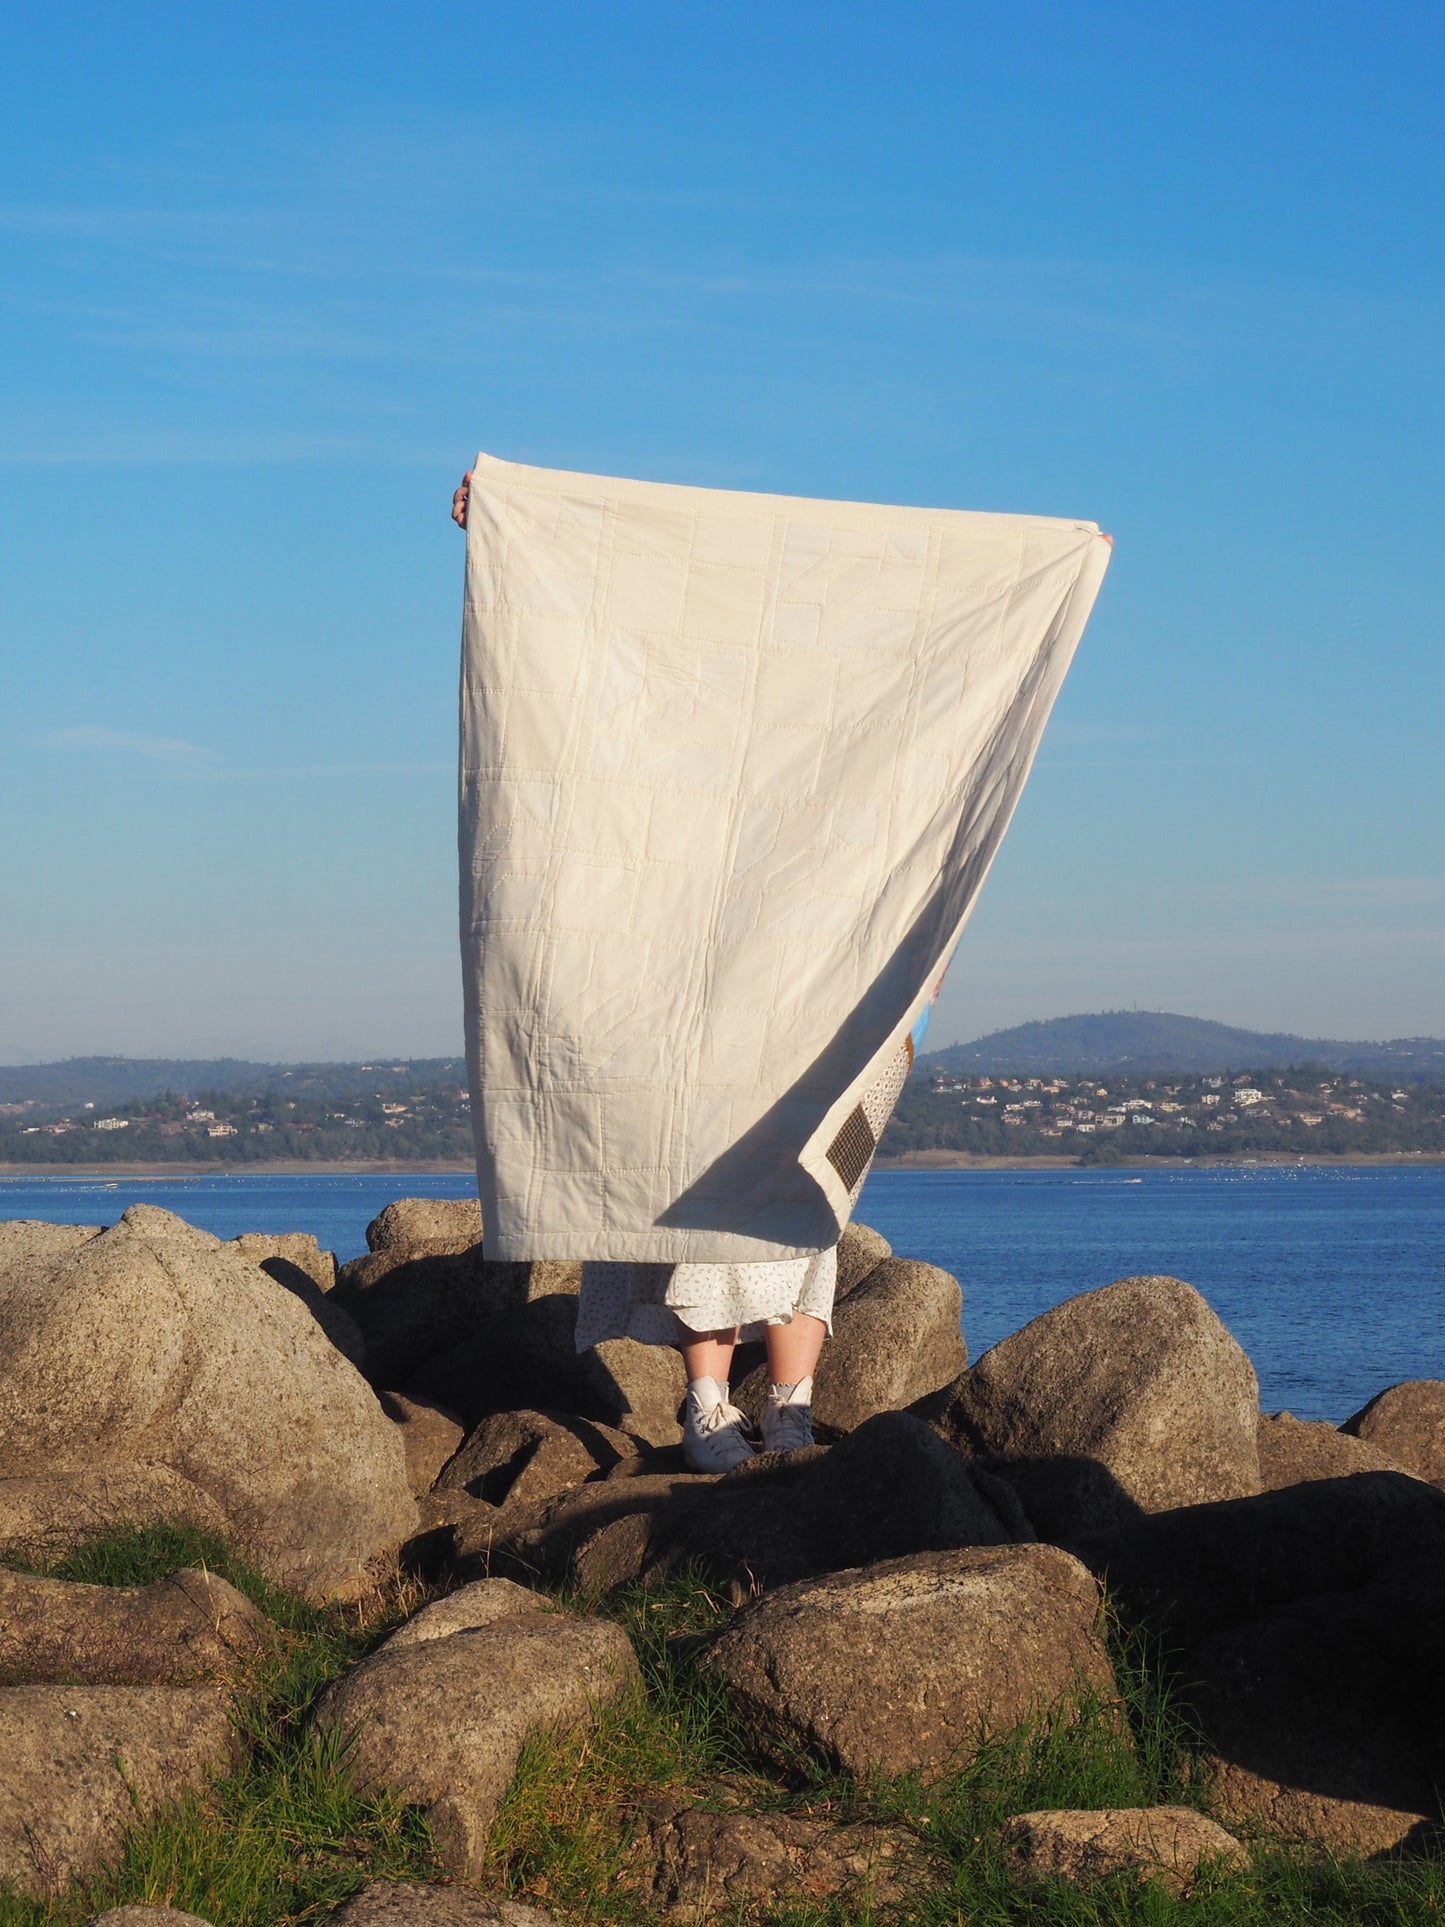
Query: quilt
[733, 770]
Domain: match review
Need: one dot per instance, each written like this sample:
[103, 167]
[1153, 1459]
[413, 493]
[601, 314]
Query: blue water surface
[1330, 1277]
[335, 1207]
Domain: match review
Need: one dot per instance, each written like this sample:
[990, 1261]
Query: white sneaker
[713, 1432]
[788, 1416]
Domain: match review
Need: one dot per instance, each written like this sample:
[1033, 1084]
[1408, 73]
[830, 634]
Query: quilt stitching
[766, 950]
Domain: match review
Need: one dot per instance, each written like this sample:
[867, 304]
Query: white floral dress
[662, 1304]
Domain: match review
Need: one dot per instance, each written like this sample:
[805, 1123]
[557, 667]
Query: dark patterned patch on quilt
[851, 1150]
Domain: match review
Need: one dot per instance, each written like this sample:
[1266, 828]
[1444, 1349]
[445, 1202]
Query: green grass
[139, 1555]
[563, 1835]
[558, 1838]
[285, 1839]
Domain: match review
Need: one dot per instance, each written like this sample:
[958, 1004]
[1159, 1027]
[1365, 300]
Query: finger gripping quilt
[733, 769]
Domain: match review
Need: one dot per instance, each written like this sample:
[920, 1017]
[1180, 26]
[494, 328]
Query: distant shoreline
[1284, 1160]
[907, 1161]
[271, 1168]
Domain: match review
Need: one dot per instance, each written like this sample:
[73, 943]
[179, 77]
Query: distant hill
[1145, 1043]
[1154, 1043]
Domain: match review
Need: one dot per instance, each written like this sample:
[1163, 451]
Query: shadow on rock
[1327, 1718]
[889, 1489]
[1203, 1569]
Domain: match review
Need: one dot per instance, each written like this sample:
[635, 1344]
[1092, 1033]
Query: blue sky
[271, 275]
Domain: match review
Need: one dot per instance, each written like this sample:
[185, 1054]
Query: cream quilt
[733, 769]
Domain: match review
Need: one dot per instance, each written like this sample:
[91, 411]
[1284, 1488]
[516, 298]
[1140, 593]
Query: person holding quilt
[711, 743]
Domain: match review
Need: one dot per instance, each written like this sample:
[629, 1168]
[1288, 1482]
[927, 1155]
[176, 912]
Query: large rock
[430, 1434]
[889, 1489]
[410, 1302]
[281, 1251]
[474, 1335]
[153, 1342]
[183, 1627]
[1126, 1400]
[484, 1603]
[860, 1248]
[423, 1286]
[699, 1864]
[43, 1518]
[520, 1461]
[597, 1536]
[637, 1388]
[445, 1324]
[1293, 1450]
[497, 1489]
[31, 1244]
[1204, 1569]
[525, 1354]
[407, 1903]
[294, 1261]
[381, 1903]
[433, 1224]
[83, 1763]
[143, 1916]
[1327, 1717]
[904, 1666]
[895, 1338]
[1407, 1424]
[1167, 1844]
[442, 1721]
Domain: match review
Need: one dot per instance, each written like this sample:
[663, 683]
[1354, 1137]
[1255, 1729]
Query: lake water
[1333, 1279]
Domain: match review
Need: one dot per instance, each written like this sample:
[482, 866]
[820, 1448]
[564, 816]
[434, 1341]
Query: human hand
[460, 499]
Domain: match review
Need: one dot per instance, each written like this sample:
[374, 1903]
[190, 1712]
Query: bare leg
[793, 1349]
[709, 1354]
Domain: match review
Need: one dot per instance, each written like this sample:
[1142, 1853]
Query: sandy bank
[276, 1167]
[970, 1161]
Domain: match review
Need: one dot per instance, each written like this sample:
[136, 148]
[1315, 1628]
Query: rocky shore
[960, 1555]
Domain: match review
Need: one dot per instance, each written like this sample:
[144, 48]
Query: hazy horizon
[934, 1041]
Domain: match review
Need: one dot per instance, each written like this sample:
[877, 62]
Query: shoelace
[718, 1417]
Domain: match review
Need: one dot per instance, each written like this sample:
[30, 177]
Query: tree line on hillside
[55, 1090]
[217, 1127]
[1307, 1111]
[1311, 1110]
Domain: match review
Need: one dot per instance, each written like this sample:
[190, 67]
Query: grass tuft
[565, 1831]
[140, 1555]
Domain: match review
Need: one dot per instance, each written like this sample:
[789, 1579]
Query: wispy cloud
[156, 749]
[328, 770]
[1369, 893]
[192, 759]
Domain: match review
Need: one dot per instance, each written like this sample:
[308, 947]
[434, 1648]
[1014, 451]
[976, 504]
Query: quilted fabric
[733, 768]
